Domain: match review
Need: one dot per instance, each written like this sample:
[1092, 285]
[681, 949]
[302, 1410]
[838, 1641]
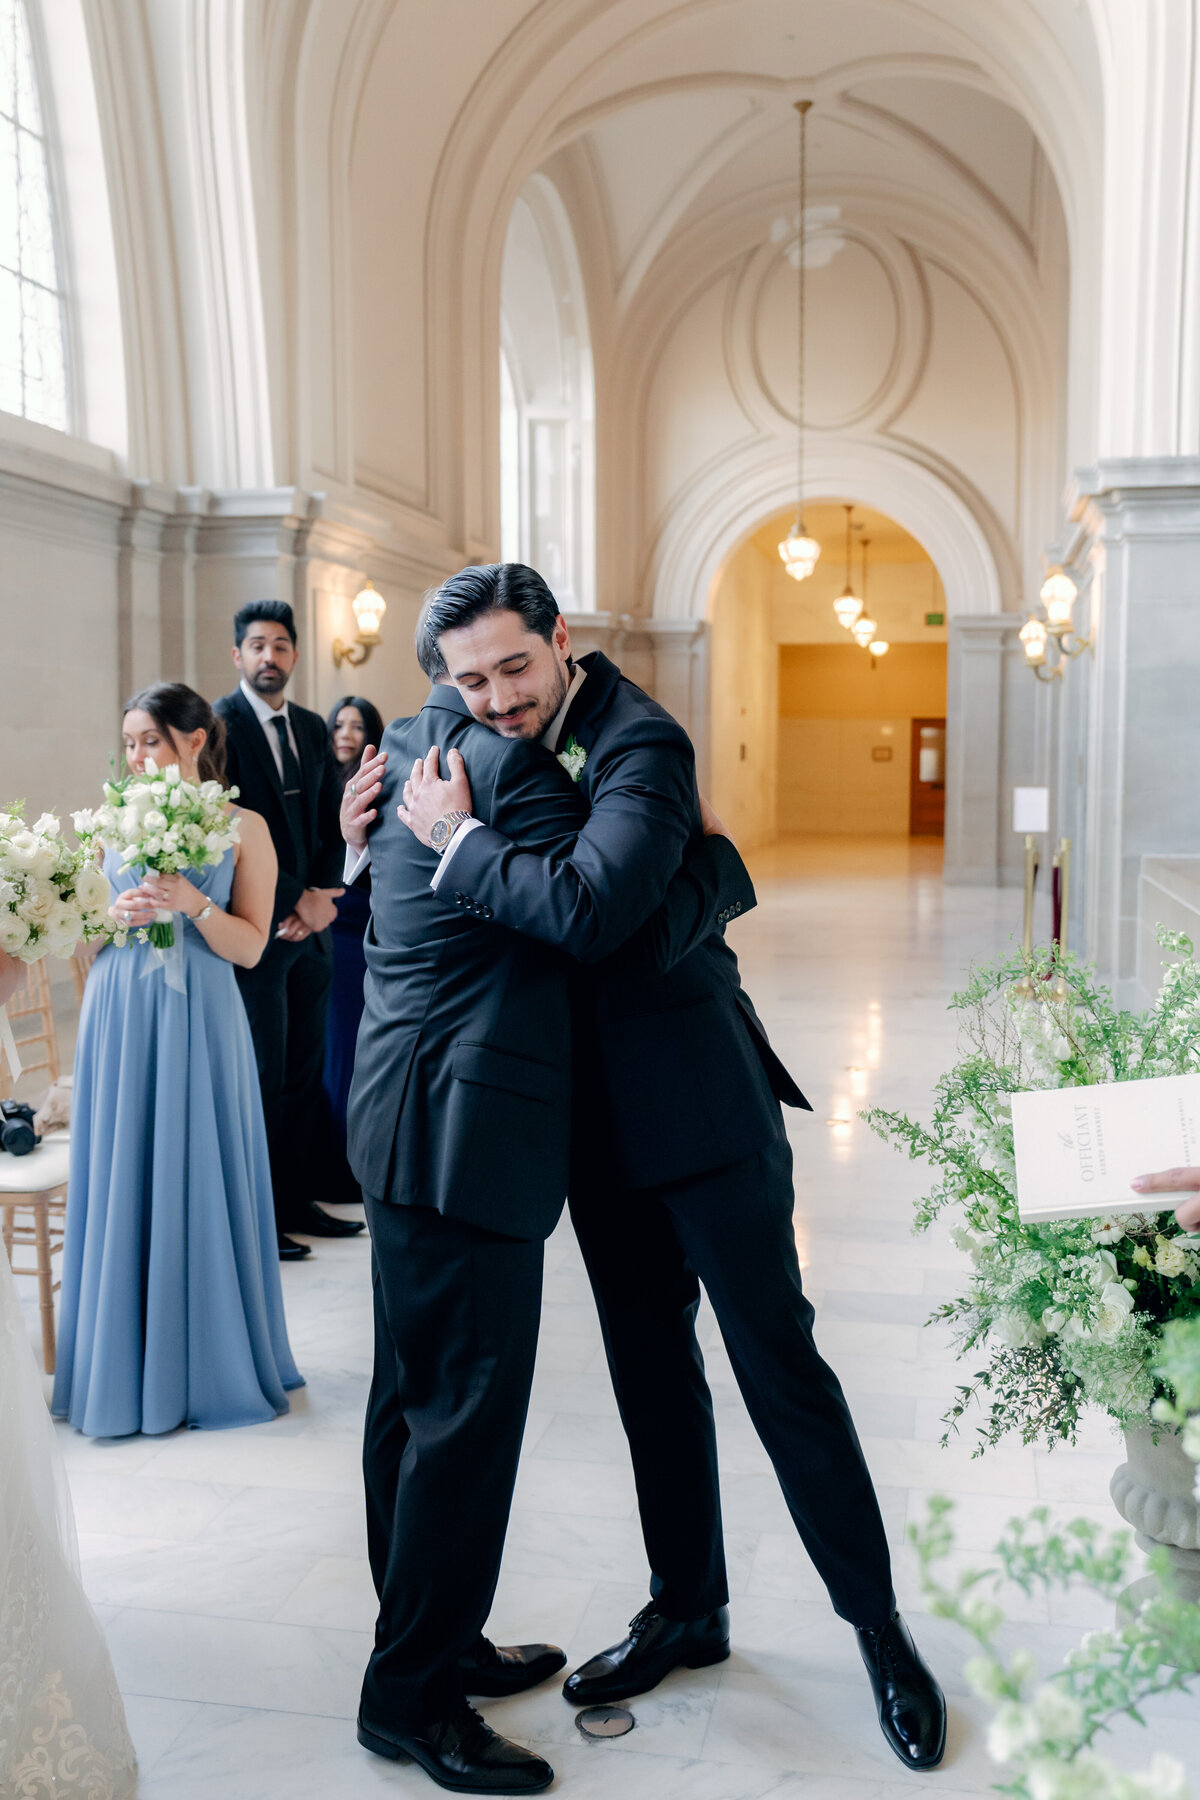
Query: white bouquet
[159, 821]
[50, 894]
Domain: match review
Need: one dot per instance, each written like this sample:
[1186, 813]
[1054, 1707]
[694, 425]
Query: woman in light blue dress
[171, 1307]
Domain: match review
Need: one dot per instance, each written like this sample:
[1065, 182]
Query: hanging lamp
[847, 606]
[798, 551]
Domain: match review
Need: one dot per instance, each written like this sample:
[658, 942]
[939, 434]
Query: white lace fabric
[62, 1725]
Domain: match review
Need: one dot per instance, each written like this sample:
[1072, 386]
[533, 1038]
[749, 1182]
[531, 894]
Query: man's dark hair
[492, 587]
[272, 612]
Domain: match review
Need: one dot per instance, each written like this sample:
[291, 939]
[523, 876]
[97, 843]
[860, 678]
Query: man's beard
[268, 681]
[543, 713]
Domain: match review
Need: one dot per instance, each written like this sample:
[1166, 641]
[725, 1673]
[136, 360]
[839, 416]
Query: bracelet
[202, 915]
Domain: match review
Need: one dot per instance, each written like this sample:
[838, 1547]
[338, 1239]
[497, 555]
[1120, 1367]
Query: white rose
[47, 825]
[154, 820]
[1116, 1304]
[26, 852]
[14, 932]
[1170, 1259]
[91, 889]
[41, 897]
[1105, 1268]
[1019, 1331]
[210, 791]
[130, 823]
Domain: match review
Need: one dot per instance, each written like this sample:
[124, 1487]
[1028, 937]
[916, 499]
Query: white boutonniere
[573, 758]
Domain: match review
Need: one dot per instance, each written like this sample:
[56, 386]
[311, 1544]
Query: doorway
[927, 779]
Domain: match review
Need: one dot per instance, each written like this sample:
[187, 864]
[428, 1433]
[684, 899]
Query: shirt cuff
[355, 863]
[444, 863]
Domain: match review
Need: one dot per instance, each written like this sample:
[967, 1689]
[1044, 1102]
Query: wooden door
[927, 780]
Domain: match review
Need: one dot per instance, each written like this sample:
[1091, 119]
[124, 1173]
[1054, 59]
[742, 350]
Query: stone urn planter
[1155, 1492]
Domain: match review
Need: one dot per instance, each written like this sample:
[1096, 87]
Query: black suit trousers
[647, 1251]
[287, 998]
[456, 1323]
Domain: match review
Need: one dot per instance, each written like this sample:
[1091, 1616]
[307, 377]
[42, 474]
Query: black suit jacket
[461, 1093]
[675, 1063]
[251, 768]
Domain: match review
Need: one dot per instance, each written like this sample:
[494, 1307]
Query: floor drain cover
[605, 1721]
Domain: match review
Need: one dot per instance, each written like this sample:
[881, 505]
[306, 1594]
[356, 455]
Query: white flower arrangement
[50, 894]
[1070, 1313]
[159, 821]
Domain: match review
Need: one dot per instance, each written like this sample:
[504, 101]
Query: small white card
[1079, 1148]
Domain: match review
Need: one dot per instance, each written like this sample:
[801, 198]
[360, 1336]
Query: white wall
[744, 701]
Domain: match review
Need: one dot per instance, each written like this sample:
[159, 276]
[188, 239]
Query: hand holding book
[1175, 1181]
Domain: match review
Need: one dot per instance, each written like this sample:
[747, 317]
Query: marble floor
[229, 1569]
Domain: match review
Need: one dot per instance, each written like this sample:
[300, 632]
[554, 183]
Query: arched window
[33, 363]
[547, 476]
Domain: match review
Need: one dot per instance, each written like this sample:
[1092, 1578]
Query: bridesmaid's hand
[134, 909]
[174, 893]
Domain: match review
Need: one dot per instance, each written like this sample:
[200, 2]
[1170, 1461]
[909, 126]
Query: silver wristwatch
[443, 829]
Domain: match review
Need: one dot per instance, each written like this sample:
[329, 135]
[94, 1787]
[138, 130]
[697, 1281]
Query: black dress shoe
[654, 1647]
[290, 1251]
[313, 1221]
[494, 1672]
[465, 1755]
[912, 1707]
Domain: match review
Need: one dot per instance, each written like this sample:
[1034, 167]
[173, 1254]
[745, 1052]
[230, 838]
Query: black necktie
[293, 797]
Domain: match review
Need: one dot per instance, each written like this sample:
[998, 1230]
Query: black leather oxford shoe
[912, 1707]
[291, 1251]
[313, 1221]
[493, 1671]
[465, 1755]
[654, 1647]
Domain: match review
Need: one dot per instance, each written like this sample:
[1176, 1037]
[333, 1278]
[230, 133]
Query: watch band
[453, 820]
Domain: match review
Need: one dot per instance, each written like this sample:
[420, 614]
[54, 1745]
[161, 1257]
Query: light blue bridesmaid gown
[171, 1308]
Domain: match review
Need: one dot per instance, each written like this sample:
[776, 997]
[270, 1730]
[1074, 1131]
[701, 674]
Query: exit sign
[935, 618]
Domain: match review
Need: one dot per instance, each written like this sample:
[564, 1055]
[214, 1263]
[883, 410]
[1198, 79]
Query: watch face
[439, 833]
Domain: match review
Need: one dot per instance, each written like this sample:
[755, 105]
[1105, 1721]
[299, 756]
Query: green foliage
[1072, 1313]
[1046, 1732]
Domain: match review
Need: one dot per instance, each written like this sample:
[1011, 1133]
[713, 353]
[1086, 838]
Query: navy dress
[172, 1312]
[345, 1013]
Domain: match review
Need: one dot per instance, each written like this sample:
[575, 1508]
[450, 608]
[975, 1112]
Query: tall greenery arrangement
[1072, 1313]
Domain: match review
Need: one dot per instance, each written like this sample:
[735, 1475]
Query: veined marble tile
[239, 1662]
[132, 1505]
[336, 1592]
[582, 1489]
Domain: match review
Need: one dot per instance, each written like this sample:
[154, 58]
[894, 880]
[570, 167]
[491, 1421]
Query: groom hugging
[614, 887]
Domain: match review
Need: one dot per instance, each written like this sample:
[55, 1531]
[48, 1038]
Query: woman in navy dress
[353, 725]
[172, 1312]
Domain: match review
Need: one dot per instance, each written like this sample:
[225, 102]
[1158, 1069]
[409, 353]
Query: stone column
[1143, 728]
[991, 747]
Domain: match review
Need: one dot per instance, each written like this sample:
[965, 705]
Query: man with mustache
[681, 1168]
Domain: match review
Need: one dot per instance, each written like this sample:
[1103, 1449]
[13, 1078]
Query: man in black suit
[459, 1131]
[279, 757]
[682, 1168]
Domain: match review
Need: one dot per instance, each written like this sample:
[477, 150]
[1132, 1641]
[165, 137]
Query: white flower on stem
[1171, 1259]
[47, 826]
[1165, 1779]
[91, 889]
[14, 932]
[1104, 1268]
[1116, 1304]
[1085, 1777]
[965, 1240]
[171, 774]
[30, 854]
[155, 820]
[1107, 1231]
[1019, 1331]
[1012, 1732]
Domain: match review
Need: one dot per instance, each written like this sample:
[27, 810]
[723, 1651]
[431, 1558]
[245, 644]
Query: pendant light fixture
[847, 606]
[799, 551]
[864, 628]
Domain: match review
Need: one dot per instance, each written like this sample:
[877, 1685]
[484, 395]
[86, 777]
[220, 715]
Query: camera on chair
[17, 1135]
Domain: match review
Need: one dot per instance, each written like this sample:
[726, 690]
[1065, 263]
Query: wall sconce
[1058, 596]
[369, 607]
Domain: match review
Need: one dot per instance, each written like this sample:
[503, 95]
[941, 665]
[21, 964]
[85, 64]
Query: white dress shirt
[264, 712]
[549, 738]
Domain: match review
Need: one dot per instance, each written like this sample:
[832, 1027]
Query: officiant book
[1079, 1148]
